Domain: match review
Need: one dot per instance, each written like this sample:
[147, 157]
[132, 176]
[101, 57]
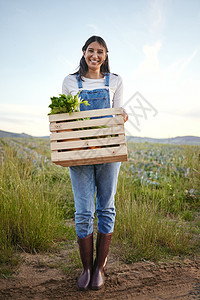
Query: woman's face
[95, 55]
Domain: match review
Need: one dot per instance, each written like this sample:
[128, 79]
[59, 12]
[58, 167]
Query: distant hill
[179, 140]
[12, 134]
[17, 135]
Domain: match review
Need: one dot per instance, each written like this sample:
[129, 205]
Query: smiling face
[95, 55]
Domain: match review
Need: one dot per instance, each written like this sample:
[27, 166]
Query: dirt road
[36, 278]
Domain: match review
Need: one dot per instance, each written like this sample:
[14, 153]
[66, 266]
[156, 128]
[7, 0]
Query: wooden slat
[86, 114]
[87, 143]
[101, 160]
[86, 123]
[119, 129]
[88, 154]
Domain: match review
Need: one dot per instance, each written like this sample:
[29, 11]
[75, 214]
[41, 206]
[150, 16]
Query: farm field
[156, 242]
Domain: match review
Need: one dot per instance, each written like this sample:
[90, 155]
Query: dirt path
[38, 278]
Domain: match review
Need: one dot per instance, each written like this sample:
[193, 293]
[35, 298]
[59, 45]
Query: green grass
[156, 215]
[157, 203]
[31, 205]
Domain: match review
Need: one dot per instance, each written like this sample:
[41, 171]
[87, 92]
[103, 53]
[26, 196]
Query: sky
[154, 45]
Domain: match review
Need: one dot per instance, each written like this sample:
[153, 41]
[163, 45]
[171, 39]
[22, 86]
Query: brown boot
[102, 248]
[86, 254]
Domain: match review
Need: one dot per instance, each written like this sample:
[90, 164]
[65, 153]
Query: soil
[40, 276]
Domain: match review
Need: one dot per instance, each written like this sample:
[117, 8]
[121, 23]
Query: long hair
[83, 67]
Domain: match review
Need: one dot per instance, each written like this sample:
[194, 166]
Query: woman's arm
[69, 85]
[118, 97]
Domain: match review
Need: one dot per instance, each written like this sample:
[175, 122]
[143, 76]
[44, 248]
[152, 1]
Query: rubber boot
[102, 248]
[86, 254]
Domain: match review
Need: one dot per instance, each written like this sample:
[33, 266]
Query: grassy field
[157, 201]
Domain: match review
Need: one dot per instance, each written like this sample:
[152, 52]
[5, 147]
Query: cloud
[150, 64]
[187, 61]
[14, 119]
[24, 118]
[17, 110]
[156, 15]
[192, 113]
[177, 68]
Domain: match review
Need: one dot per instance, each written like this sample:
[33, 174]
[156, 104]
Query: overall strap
[79, 81]
[107, 79]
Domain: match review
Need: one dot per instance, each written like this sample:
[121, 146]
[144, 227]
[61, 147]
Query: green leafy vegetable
[66, 104]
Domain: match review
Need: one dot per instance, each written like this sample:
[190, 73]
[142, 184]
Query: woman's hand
[125, 115]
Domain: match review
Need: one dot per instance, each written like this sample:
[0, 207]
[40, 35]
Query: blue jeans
[86, 180]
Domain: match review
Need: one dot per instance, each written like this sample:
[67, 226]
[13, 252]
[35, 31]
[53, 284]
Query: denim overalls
[99, 178]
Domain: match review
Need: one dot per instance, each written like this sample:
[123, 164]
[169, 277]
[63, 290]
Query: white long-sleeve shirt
[70, 86]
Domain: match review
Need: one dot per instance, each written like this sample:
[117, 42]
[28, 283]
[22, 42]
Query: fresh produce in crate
[66, 104]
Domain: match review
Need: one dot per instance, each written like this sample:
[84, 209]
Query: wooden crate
[82, 142]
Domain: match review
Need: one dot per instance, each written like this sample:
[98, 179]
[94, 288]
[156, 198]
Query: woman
[102, 89]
